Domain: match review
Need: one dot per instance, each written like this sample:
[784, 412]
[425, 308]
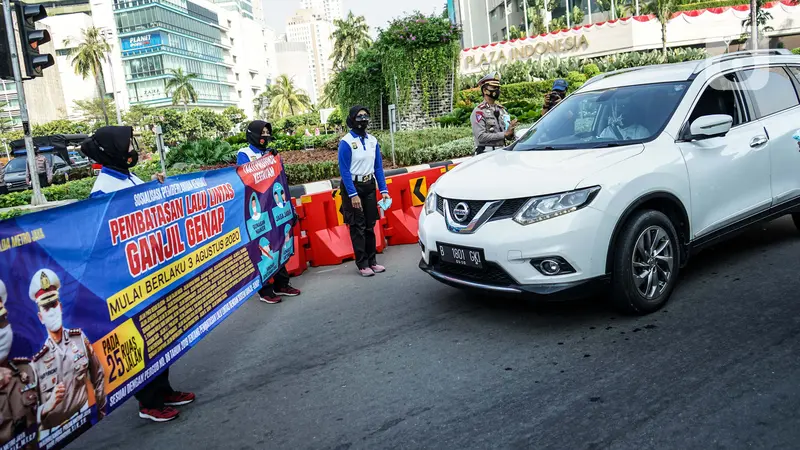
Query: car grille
[506, 210]
[491, 274]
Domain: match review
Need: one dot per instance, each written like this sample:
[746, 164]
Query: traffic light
[31, 38]
[6, 73]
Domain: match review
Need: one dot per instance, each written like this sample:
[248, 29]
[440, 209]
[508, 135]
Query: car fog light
[550, 267]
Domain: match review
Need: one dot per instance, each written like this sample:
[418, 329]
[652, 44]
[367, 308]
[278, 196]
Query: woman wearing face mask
[259, 136]
[115, 148]
[360, 164]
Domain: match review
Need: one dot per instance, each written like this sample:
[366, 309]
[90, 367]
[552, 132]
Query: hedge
[521, 91]
[709, 4]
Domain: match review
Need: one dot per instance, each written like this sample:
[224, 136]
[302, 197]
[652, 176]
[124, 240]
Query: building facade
[717, 30]
[292, 59]
[328, 10]
[158, 36]
[308, 27]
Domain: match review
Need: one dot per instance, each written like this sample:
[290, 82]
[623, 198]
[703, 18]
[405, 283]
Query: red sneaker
[287, 291]
[164, 414]
[178, 398]
[270, 298]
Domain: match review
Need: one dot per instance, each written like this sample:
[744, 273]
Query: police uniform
[489, 121]
[18, 396]
[71, 362]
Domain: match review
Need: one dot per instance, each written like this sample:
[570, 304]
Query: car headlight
[430, 202]
[542, 208]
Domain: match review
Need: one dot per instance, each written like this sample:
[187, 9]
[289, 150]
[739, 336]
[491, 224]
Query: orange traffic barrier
[297, 263]
[328, 240]
[408, 192]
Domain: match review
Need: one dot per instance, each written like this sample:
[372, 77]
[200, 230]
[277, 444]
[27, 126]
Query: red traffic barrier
[328, 240]
[297, 263]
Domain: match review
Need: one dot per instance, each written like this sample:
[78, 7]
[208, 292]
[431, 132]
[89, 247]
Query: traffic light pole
[37, 198]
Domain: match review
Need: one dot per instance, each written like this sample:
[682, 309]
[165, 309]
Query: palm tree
[351, 35]
[286, 99]
[663, 10]
[181, 87]
[87, 59]
[261, 104]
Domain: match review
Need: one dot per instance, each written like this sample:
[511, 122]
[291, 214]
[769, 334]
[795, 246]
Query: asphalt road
[401, 361]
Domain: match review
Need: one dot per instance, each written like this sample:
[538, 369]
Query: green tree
[87, 57]
[762, 16]
[516, 33]
[61, 126]
[351, 35]
[663, 10]
[577, 16]
[96, 110]
[180, 85]
[261, 105]
[236, 116]
[286, 99]
[140, 116]
[6, 123]
[336, 118]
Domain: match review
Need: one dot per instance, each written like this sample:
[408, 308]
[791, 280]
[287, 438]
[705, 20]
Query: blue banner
[141, 41]
[105, 294]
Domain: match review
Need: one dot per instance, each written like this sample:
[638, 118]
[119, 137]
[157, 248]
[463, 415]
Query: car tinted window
[720, 97]
[771, 89]
[57, 161]
[16, 165]
[604, 118]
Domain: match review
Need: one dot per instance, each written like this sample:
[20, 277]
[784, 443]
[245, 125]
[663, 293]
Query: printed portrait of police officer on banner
[67, 367]
[258, 223]
[19, 399]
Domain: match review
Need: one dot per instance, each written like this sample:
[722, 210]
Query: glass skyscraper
[158, 35]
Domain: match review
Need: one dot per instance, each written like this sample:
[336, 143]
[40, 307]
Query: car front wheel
[646, 263]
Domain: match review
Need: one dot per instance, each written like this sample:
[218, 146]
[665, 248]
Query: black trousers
[3, 190]
[362, 223]
[280, 279]
[152, 395]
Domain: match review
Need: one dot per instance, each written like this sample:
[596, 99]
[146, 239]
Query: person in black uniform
[360, 165]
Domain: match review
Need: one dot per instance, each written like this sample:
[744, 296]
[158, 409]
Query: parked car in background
[68, 164]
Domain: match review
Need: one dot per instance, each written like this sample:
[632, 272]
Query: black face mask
[266, 140]
[494, 95]
[133, 155]
[362, 122]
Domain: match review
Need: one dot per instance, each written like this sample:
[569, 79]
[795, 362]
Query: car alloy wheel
[652, 262]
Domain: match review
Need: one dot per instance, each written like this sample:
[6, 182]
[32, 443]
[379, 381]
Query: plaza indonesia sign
[521, 50]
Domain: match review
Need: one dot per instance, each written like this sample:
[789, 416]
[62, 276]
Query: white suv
[623, 181]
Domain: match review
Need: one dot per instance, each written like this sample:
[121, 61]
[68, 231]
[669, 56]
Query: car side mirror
[714, 125]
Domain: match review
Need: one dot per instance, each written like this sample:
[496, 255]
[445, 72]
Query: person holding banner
[259, 136]
[115, 148]
[360, 165]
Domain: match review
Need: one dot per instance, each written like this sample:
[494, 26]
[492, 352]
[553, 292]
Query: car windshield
[16, 165]
[605, 118]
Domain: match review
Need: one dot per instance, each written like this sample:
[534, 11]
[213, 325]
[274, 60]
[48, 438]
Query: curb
[316, 187]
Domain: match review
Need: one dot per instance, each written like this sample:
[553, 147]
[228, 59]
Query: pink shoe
[366, 272]
[377, 268]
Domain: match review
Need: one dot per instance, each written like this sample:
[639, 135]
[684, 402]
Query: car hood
[14, 176]
[503, 174]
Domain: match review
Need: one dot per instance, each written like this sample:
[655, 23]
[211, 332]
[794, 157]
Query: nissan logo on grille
[460, 212]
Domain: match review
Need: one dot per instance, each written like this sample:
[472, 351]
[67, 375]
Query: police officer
[18, 395]
[555, 96]
[491, 123]
[66, 360]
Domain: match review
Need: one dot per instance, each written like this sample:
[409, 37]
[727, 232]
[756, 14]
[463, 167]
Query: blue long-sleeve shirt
[360, 156]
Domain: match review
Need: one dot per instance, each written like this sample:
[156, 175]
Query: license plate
[462, 256]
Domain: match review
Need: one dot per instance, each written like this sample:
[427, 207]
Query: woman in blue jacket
[360, 165]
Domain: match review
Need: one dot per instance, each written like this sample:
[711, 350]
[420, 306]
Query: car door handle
[758, 141]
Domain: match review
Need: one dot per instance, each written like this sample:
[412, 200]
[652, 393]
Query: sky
[277, 11]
